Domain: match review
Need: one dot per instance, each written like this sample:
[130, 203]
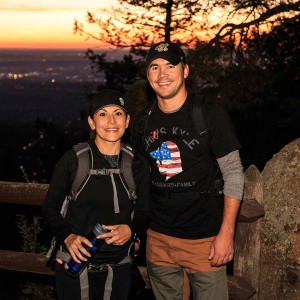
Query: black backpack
[85, 170]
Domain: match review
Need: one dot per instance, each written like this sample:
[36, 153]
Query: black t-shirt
[182, 168]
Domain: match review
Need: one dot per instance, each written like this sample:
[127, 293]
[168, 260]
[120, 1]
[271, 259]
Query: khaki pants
[169, 258]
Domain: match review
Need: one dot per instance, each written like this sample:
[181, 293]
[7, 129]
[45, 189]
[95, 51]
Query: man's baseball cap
[169, 51]
[105, 98]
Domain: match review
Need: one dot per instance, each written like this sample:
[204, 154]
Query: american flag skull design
[168, 159]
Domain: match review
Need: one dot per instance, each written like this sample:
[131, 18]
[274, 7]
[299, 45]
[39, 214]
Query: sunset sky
[45, 23]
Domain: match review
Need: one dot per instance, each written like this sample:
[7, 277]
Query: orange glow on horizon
[46, 24]
[46, 44]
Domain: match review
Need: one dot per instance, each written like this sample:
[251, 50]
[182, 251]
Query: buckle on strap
[97, 267]
[98, 172]
[104, 171]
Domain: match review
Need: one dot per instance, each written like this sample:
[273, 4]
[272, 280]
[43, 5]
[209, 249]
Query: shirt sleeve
[222, 134]
[59, 188]
[233, 174]
[141, 173]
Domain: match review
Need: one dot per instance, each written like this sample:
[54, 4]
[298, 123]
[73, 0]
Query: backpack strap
[110, 276]
[85, 163]
[143, 123]
[126, 168]
[199, 123]
[197, 113]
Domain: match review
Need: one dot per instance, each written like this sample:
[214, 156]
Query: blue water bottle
[74, 268]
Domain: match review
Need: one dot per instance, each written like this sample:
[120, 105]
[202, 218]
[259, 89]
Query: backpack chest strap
[104, 171]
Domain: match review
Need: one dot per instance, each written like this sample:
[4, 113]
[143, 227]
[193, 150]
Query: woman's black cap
[105, 98]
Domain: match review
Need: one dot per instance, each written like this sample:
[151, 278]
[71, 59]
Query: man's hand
[221, 250]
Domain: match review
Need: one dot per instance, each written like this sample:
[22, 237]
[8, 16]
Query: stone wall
[280, 239]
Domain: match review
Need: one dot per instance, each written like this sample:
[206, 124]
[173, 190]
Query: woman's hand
[117, 234]
[74, 245]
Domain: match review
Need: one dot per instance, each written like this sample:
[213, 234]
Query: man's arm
[222, 247]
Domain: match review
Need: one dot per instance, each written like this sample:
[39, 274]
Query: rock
[280, 240]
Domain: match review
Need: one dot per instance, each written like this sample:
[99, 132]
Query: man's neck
[172, 104]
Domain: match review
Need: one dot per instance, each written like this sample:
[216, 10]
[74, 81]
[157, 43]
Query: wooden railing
[243, 283]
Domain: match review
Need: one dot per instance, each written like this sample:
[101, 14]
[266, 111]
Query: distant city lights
[76, 78]
[18, 75]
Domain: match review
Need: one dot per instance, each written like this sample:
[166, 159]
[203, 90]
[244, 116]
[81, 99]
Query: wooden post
[248, 230]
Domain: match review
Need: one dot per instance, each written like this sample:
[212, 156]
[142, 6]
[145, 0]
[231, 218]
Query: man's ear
[186, 71]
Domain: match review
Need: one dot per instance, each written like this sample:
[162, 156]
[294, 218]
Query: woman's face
[110, 123]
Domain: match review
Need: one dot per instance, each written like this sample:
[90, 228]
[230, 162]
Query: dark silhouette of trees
[138, 24]
[254, 54]
[128, 72]
[246, 20]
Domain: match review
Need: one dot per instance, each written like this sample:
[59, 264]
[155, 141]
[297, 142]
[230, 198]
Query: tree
[139, 24]
[119, 73]
[247, 20]
[256, 43]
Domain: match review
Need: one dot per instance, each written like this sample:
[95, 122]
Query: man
[192, 227]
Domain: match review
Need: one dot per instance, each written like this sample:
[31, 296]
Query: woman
[104, 199]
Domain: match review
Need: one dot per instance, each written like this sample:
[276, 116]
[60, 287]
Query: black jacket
[95, 203]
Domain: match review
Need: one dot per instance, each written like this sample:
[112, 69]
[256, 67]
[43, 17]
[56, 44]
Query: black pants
[68, 288]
